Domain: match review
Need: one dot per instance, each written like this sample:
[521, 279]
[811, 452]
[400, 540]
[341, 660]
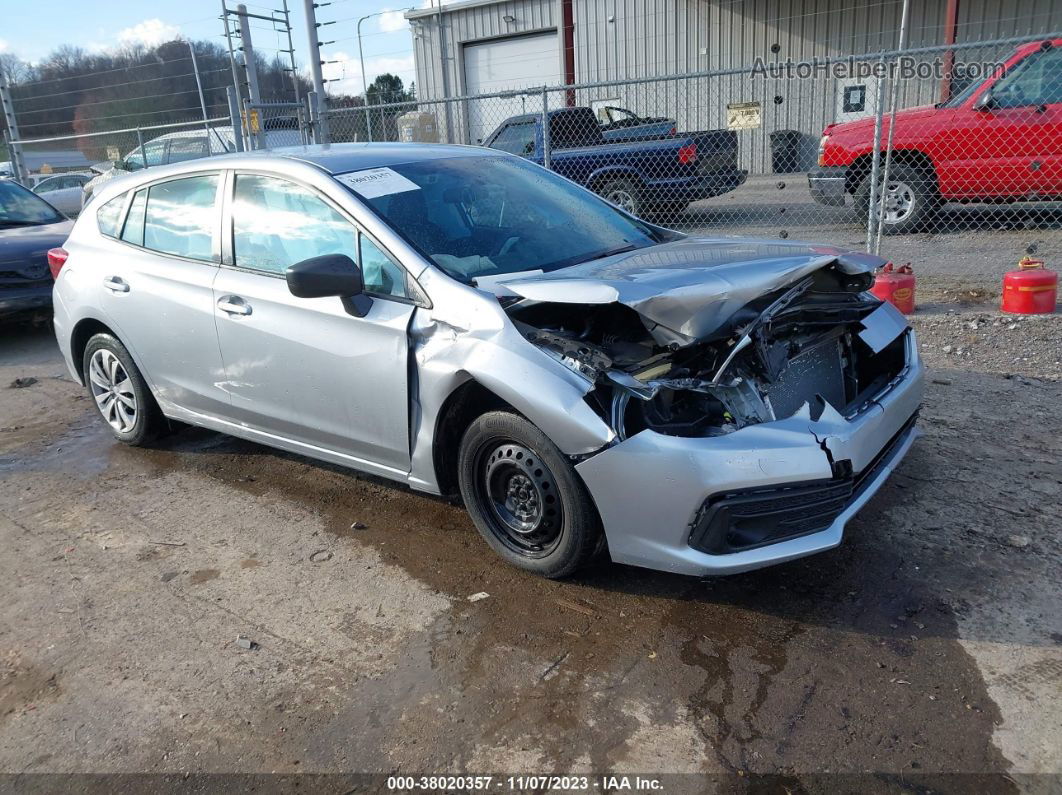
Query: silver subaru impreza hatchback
[464, 321]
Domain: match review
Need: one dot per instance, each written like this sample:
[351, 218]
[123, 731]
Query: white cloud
[150, 33]
[3, 45]
[393, 21]
[347, 73]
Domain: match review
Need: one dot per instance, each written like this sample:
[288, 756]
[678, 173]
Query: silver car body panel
[649, 488]
[294, 358]
[369, 393]
[691, 287]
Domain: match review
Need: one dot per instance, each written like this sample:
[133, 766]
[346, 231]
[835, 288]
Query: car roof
[340, 158]
[328, 158]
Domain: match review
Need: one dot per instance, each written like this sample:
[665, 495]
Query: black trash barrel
[785, 151]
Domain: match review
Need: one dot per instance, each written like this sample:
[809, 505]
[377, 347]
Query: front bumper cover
[650, 489]
[827, 185]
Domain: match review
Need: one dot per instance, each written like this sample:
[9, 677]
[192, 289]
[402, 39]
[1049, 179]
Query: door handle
[115, 284]
[234, 305]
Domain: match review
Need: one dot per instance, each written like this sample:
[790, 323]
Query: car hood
[902, 116]
[24, 249]
[688, 290]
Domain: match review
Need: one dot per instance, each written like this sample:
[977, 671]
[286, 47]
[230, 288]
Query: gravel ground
[923, 654]
[990, 341]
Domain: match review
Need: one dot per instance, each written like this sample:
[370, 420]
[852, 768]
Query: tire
[624, 193]
[525, 498]
[119, 392]
[912, 202]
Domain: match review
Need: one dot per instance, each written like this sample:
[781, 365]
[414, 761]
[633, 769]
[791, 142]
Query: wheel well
[468, 401]
[83, 332]
[865, 163]
[601, 179]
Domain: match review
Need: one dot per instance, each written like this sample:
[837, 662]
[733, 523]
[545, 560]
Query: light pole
[361, 58]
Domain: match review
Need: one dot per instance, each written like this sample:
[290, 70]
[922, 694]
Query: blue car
[29, 227]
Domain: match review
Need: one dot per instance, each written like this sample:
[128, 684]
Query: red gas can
[1030, 290]
[896, 286]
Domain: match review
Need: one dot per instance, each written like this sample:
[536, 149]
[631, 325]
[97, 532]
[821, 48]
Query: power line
[114, 85]
[103, 72]
[196, 109]
[124, 99]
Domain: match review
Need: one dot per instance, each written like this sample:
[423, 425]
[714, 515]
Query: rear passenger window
[181, 217]
[133, 231]
[110, 215]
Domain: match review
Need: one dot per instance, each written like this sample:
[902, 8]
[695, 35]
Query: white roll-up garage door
[505, 65]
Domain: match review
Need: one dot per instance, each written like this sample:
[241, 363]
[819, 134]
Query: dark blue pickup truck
[643, 177]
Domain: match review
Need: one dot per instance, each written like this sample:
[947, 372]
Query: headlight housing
[822, 148]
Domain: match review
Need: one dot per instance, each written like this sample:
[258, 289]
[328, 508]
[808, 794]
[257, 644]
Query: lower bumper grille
[741, 520]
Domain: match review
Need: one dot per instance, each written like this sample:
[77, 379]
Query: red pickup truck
[1000, 140]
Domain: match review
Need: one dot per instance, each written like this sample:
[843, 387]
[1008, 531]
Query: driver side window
[276, 223]
[1035, 81]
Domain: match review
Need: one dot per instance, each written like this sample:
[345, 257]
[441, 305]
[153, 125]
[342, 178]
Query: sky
[33, 29]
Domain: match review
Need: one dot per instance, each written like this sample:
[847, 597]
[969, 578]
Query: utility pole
[322, 136]
[291, 53]
[444, 68]
[199, 88]
[364, 79]
[250, 66]
[234, 114]
[232, 52]
[18, 166]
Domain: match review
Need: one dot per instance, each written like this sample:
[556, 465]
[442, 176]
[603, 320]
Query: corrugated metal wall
[631, 39]
[478, 22]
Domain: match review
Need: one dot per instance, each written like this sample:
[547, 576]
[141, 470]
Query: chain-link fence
[949, 157]
[93, 157]
[965, 178]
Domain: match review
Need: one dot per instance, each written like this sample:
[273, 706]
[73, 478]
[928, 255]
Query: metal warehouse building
[483, 46]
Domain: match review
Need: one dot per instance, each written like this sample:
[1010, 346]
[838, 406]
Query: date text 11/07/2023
[551, 783]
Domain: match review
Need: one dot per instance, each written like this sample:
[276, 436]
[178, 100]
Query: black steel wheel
[521, 495]
[525, 497]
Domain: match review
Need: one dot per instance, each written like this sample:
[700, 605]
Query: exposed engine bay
[816, 340]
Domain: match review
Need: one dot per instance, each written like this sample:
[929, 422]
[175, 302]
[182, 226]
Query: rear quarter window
[109, 216]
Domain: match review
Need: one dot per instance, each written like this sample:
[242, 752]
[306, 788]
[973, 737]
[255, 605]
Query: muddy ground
[924, 653]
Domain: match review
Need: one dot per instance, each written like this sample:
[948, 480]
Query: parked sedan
[29, 227]
[63, 192]
[461, 320]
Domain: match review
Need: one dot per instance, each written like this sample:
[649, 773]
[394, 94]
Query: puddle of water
[201, 576]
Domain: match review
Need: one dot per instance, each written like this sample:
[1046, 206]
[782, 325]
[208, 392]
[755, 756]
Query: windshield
[480, 216]
[20, 207]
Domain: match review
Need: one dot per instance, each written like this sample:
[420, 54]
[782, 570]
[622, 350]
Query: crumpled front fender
[477, 341]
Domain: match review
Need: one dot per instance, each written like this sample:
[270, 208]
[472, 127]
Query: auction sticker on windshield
[374, 182]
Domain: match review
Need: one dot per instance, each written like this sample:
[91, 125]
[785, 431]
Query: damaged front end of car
[821, 341]
[752, 407]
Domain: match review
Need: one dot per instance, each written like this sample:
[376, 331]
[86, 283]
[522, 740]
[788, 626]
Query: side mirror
[985, 101]
[330, 275]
